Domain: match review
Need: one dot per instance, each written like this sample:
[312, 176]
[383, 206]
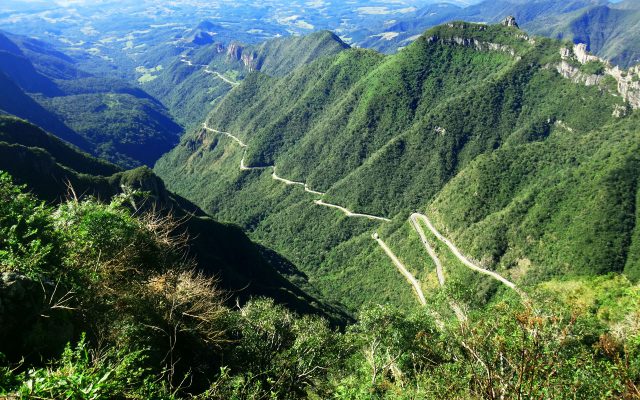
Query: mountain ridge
[50, 168]
[403, 127]
[104, 116]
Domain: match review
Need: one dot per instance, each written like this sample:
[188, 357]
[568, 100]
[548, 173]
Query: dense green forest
[101, 303]
[471, 124]
[190, 92]
[105, 116]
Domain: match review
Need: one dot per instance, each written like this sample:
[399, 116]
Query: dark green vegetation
[190, 92]
[391, 135]
[50, 168]
[104, 116]
[157, 329]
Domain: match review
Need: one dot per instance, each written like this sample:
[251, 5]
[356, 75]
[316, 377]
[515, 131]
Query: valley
[415, 219]
[339, 185]
[363, 200]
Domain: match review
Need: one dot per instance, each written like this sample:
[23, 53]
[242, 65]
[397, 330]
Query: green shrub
[28, 242]
[593, 68]
[83, 374]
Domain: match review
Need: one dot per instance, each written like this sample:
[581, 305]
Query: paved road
[465, 260]
[240, 142]
[430, 250]
[274, 176]
[457, 310]
[208, 71]
[224, 78]
[289, 182]
[403, 270]
[350, 213]
[285, 181]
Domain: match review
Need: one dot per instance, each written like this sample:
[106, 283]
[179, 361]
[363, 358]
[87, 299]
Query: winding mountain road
[350, 213]
[288, 182]
[465, 260]
[285, 181]
[430, 250]
[457, 310]
[220, 76]
[208, 71]
[274, 176]
[237, 140]
[403, 270]
[415, 219]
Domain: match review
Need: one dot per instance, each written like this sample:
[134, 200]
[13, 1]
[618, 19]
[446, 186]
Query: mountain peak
[510, 21]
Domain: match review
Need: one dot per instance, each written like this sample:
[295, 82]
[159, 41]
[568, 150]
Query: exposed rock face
[238, 53]
[234, 51]
[249, 61]
[476, 44]
[580, 51]
[510, 21]
[572, 72]
[628, 81]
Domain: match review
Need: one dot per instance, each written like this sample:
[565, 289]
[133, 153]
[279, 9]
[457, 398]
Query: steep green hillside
[99, 302]
[48, 166]
[192, 84]
[103, 116]
[16, 102]
[392, 135]
[123, 128]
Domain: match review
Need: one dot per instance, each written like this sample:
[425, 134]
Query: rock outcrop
[474, 43]
[573, 72]
[234, 51]
[510, 21]
[628, 81]
[237, 52]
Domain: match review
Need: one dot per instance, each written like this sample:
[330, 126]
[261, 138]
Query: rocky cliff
[627, 81]
[248, 58]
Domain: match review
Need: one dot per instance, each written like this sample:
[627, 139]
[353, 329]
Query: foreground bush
[97, 301]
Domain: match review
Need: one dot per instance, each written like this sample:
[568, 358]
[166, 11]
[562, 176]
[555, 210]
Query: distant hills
[192, 83]
[609, 30]
[104, 116]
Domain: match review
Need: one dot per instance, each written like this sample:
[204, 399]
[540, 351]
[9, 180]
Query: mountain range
[610, 30]
[379, 212]
[433, 129]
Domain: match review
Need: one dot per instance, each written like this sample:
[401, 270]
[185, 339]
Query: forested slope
[190, 86]
[104, 116]
[50, 169]
[391, 135]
